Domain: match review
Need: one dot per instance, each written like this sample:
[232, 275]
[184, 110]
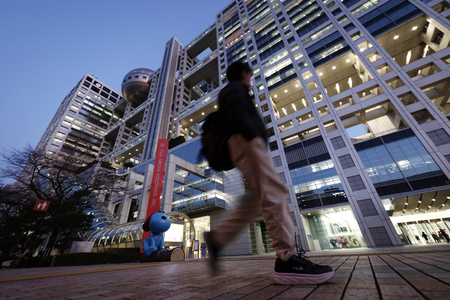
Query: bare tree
[70, 185]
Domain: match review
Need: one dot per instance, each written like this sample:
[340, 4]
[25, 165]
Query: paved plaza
[377, 273]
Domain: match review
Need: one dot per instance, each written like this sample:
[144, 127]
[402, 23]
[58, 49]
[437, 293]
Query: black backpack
[214, 138]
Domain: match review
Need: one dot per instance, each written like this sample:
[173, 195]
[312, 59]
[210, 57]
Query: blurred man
[267, 194]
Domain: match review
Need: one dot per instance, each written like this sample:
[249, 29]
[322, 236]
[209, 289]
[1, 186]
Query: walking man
[267, 194]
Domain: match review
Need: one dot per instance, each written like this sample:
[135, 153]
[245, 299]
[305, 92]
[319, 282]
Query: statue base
[176, 254]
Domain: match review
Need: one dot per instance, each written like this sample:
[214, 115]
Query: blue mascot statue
[158, 223]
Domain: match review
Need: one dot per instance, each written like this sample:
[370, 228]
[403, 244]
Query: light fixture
[334, 67]
[275, 96]
[320, 74]
[123, 157]
[191, 133]
[396, 37]
[408, 57]
[443, 204]
[419, 201]
[309, 214]
[433, 199]
[406, 203]
[429, 206]
[296, 85]
[215, 106]
[191, 120]
[203, 113]
[137, 150]
[285, 91]
[129, 153]
[414, 28]
[348, 60]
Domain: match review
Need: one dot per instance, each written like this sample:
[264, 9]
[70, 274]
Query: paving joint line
[438, 260]
[309, 294]
[423, 271]
[349, 278]
[241, 288]
[377, 285]
[431, 264]
[399, 274]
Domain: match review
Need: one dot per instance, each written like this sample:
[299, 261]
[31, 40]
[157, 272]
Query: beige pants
[267, 194]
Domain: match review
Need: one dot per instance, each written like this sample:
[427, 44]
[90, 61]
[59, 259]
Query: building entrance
[420, 219]
[430, 231]
[332, 228]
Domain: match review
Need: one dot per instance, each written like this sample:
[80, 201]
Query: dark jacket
[240, 112]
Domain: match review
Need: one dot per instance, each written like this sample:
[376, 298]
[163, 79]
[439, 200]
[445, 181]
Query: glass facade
[398, 163]
[317, 184]
[315, 180]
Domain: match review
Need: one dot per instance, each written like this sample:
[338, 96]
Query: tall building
[81, 121]
[355, 98]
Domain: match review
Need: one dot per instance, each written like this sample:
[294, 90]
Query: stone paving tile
[392, 276]
[366, 294]
[267, 292]
[296, 292]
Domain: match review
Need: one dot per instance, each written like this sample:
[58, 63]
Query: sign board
[41, 205]
[175, 233]
[157, 181]
[196, 245]
[81, 247]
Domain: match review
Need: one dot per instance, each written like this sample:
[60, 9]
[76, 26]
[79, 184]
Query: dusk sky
[47, 46]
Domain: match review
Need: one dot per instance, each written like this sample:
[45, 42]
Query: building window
[337, 142]
[439, 137]
[356, 183]
[380, 236]
[273, 146]
[438, 37]
[277, 161]
[283, 177]
[346, 161]
[367, 208]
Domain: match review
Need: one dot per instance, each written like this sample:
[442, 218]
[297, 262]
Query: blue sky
[47, 46]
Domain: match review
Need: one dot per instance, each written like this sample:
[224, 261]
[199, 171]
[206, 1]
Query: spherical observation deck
[136, 84]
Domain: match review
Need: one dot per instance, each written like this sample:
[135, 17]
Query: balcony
[199, 205]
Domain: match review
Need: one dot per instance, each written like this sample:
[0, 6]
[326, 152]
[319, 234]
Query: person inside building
[445, 235]
[267, 194]
[425, 236]
[435, 237]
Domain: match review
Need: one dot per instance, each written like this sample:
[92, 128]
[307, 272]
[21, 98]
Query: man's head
[241, 72]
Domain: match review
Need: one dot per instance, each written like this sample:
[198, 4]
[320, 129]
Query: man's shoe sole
[297, 278]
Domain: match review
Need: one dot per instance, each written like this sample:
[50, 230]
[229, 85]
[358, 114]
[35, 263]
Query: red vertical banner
[157, 181]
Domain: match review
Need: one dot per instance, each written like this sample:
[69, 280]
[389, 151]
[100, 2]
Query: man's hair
[234, 70]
